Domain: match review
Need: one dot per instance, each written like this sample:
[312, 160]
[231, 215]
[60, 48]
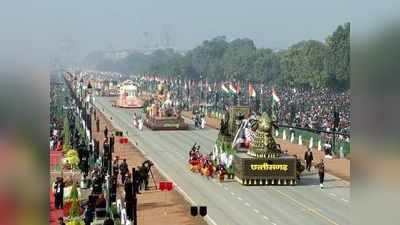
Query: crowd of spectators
[299, 107]
[313, 108]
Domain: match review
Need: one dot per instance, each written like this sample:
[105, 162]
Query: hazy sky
[44, 28]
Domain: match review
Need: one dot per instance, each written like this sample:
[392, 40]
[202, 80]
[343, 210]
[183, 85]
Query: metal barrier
[340, 146]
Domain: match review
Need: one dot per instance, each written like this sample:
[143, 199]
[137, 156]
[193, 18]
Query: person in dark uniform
[106, 132]
[85, 163]
[96, 184]
[112, 141]
[138, 180]
[96, 148]
[59, 193]
[114, 184]
[129, 197]
[115, 166]
[106, 152]
[308, 157]
[321, 173]
[61, 221]
[97, 125]
[108, 220]
[89, 215]
[123, 168]
[101, 204]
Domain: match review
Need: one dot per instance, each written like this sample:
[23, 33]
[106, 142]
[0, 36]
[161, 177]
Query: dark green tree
[337, 62]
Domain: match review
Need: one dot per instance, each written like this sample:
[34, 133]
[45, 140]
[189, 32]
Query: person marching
[321, 173]
[308, 157]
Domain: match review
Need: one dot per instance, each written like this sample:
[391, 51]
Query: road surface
[230, 203]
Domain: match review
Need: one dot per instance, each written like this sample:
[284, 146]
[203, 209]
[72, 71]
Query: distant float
[128, 95]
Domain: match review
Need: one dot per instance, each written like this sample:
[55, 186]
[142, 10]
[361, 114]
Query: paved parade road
[231, 203]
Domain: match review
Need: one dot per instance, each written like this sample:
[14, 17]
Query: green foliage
[66, 135]
[73, 158]
[337, 61]
[75, 208]
[76, 221]
[74, 192]
[305, 64]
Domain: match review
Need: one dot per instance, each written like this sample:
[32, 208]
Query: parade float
[161, 114]
[246, 146]
[128, 95]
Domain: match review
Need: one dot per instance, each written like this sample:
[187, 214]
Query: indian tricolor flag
[275, 96]
[252, 92]
[223, 87]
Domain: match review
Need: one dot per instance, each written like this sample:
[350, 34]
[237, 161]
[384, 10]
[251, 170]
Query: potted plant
[72, 208]
[71, 159]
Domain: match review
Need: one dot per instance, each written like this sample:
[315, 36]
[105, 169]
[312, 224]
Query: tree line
[307, 64]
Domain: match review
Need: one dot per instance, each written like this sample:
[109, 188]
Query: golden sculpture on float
[161, 113]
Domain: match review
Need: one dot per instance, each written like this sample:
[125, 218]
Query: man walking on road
[308, 157]
[321, 173]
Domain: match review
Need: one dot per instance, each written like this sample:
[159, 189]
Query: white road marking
[265, 217]
[256, 210]
[334, 195]
[232, 193]
[178, 188]
[273, 223]
[345, 200]
[239, 198]
[226, 188]
[247, 204]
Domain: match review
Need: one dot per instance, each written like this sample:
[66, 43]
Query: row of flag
[227, 87]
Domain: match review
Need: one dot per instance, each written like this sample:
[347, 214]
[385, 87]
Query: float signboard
[248, 167]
